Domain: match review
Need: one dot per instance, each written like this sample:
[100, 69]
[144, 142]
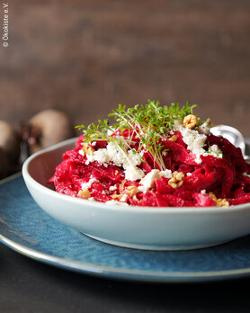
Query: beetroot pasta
[154, 155]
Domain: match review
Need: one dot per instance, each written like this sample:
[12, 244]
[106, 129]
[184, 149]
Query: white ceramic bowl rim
[120, 207]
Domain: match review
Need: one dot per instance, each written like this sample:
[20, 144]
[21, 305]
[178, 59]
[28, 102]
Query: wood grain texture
[84, 57]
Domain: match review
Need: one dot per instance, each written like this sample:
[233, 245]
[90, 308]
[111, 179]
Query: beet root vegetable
[46, 128]
[9, 149]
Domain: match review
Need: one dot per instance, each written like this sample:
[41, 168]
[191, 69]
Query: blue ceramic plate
[25, 228]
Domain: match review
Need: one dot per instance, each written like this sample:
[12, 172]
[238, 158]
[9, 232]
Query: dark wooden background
[84, 57]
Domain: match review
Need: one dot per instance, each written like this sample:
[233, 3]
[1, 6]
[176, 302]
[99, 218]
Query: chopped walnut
[131, 190]
[212, 196]
[84, 194]
[115, 196]
[222, 203]
[173, 138]
[121, 197]
[124, 197]
[219, 202]
[190, 121]
[176, 180]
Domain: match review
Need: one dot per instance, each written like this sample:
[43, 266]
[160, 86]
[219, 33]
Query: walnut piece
[190, 121]
[222, 203]
[173, 138]
[131, 190]
[84, 194]
[219, 202]
[176, 180]
[115, 196]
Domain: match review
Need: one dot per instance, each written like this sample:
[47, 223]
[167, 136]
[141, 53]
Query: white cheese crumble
[167, 173]
[133, 173]
[81, 152]
[100, 155]
[215, 151]
[148, 180]
[194, 141]
[88, 184]
[124, 198]
[112, 188]
[128, 160]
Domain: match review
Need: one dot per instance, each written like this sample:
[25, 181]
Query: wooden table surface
[84, 57]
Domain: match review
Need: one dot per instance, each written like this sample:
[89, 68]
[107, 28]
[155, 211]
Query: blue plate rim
[126, 274]
[119, 273]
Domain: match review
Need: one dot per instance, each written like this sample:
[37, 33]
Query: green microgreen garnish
[148, 122]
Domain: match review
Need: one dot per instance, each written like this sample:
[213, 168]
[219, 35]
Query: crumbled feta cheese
[100, 155]
[246, 174]
[113, 153]
[112, 188]
[133, 173]
[134, 157]
[194, 141]
[215, 151]
[203, 191]
[88, 184]
[124, 198]
[167, 173]
[189, 174]
[81, 152]
[148, 181]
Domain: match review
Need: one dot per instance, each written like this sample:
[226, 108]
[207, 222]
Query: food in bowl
[154, 155]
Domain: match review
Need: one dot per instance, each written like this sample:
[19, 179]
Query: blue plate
[25, 228]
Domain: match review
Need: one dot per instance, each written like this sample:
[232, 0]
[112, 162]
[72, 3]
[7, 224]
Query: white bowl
[132, 226]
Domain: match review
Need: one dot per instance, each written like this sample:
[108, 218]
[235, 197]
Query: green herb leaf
[149, 122]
